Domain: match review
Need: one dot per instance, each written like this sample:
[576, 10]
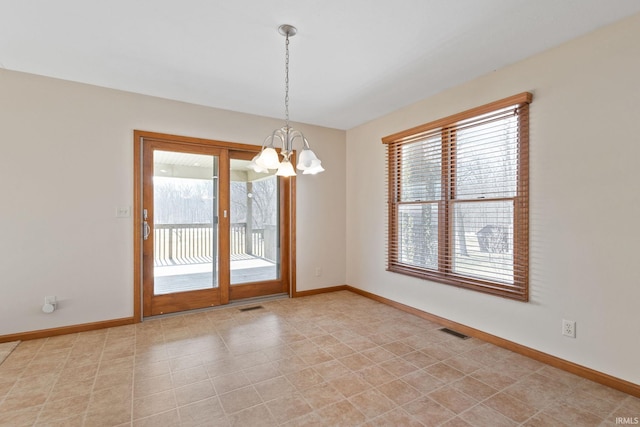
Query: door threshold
[254, 300]
[232, 304]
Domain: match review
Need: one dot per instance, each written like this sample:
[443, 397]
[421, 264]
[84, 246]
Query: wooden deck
[195, 276]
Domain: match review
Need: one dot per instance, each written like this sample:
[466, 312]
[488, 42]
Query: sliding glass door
[212, 230]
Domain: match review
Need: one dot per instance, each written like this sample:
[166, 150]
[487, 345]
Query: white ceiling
[352, 60]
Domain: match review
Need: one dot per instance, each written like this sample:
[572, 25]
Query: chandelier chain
[286, 82]
[268, 157]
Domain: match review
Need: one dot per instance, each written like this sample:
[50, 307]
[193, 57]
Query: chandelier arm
[282, 138]
[268, 142]
[296, 134]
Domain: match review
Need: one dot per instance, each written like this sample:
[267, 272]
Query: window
[458, 200]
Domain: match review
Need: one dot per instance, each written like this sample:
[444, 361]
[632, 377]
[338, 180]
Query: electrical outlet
[569, 328]
[318, 271]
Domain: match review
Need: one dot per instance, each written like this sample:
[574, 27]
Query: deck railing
[194, 243]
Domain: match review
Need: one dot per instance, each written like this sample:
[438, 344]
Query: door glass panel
[255, 235]
[185, 202]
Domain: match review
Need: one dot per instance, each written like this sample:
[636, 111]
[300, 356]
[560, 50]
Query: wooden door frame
[139, 137]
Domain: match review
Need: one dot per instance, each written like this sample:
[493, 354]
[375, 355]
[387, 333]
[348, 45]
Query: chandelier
[286, 136]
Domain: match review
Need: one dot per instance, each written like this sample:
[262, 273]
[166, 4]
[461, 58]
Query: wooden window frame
[519, 290]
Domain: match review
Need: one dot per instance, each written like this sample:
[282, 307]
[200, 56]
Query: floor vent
[454, 333]
[255, 307]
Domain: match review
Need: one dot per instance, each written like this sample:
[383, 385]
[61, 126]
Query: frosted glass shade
[307, 160]
[268, 159]
[254, 166]
[286, 169]
[314, 170]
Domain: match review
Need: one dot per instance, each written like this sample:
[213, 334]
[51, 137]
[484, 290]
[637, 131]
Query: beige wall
[66, 163]
[585, 203]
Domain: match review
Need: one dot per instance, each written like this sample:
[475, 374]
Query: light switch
[123, 212]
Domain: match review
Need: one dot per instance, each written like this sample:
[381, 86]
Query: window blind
[458, 199]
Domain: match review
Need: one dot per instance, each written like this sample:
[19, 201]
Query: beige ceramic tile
[423, 381]
[376, 375]
[349, 384]
[398, 348]
[419, 358]
[399, 367]
[60, 409]
[261, 372]
[274, 388]
[510, 407]
[372, 403]
[332, 370]
[444, 372]
[194, 392]
[396, 417]
[164, 419]
[17, 400]
[573, 416]
[428, 411]
[305, 379]
[328, 360]
[73, 421]
[474, 388]
[494, 377]
[107, 418]
[288, 407]
[151, 385]
[63, 390]
[631, 405]
[321, 395]
[356, 361]
[341, 414]
[482, 416]
[538, 391]
[114, 366]
[456, 422]
[583, 400]
[114, 379]
[153, 404]
[202, 412]
[19, 417]
[151, 369]
[255, 416]
[452, 399]
[399, 392]
[189, 376]
[378, 354]
[543, 420]
[311, 419]
[240, 399]
[229, 382]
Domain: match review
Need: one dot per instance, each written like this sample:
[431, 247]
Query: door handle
[147, 230]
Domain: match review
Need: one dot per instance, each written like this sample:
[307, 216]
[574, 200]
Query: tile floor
[6, 348]
[335, 359]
